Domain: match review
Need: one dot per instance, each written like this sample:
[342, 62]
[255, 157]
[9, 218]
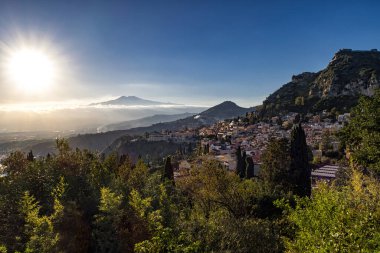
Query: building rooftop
[327, 171]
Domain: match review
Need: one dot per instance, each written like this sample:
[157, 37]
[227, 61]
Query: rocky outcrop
[350, 74]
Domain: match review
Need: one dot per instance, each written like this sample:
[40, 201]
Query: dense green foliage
[362, 135]
[229, 214]
[79, 201]
[275, 170]
[286, 167]
[337, 219]
[148, 150]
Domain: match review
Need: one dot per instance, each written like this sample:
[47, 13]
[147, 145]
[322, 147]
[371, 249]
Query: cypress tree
[168, 170]
[190, 148]
[250, 169]
[125, 159]
[239, 161]
[30, 156]
[299, 166]
[205, 149]
[244, 165]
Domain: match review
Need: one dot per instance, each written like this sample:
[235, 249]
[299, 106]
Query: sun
[30, 70]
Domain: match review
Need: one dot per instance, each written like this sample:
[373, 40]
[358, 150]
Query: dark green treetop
[300, 167]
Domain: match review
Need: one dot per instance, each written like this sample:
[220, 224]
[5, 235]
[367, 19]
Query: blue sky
[194, 52]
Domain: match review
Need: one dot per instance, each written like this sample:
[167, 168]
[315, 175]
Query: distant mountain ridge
[144, 122]
[350, 74]
[210, 116]
[216, 113]
[101, 141]
[132, 101]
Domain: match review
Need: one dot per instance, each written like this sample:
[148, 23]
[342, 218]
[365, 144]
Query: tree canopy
[361, 136]
[337, 219]
[80, 201]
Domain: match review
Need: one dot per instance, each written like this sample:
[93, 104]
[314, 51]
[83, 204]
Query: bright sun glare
[31, 70]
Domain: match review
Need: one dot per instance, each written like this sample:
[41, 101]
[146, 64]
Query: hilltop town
[221, 140]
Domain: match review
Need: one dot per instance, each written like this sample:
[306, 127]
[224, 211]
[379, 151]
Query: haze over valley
[71, 118]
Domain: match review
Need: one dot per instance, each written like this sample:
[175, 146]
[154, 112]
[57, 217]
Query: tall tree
[239, 163]
[106, 222]
[275, 168]
[244, 165]
[30, 156]
[40, 228]
[250, 168]
[206, 149]
[168, 170]
[299, 166]
[190, 148]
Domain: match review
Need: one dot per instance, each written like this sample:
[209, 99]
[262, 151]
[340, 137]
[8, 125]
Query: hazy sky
[184, 51]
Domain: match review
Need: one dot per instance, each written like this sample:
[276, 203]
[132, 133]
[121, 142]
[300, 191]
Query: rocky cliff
[350, 74]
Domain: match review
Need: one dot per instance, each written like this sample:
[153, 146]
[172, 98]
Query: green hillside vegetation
[25, 145]
[336, 219]
[148, 150]
[146, 121]
[75, 202]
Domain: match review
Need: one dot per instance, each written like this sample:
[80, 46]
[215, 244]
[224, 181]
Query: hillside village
[323, 99]
[221, 140]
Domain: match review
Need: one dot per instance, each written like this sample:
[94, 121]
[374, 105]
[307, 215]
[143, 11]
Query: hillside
[349, 75]
[94, 142]
[221, 111]
[224, 110]
[148, 150]
[143, 122]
